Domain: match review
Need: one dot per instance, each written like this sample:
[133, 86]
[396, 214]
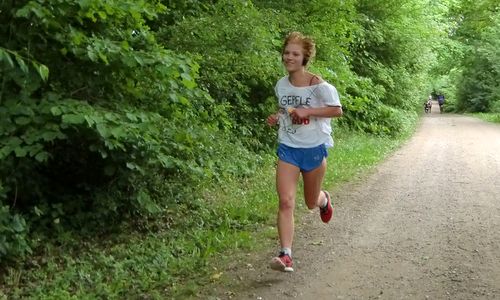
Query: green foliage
[393, 49]
[490, 117]
[97, 119]
[236, 44]
[54, 140]
[365, 115]
[467, 70]
[13, 234]
[479, 87]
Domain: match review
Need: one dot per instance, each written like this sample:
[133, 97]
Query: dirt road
[424, 225]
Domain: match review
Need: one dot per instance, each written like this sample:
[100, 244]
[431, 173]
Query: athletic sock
[326, 201]
[287, 251]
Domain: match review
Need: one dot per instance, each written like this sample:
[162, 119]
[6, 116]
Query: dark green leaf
[73, 119]
[21, 64]
[22, 120]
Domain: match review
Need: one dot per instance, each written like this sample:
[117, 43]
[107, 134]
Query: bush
[98, 120]
[375, 117]
[238, 47]
[13, 234]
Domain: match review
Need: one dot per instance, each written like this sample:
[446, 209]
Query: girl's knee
[287, 203]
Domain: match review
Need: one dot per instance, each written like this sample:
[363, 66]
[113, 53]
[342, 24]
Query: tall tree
[477, 29]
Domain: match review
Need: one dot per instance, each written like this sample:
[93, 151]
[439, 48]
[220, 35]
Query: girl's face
[293, 57]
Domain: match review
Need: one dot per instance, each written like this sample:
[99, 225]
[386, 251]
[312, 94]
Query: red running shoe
[326, 212]
[282, 263]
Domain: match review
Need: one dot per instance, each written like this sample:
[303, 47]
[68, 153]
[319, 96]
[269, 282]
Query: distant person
[306, 105]
[441, 100]
[428, 105]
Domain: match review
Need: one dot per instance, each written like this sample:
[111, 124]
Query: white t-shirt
[305, 133]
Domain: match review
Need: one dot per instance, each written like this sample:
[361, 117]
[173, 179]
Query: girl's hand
[272, 120]
[298, 113]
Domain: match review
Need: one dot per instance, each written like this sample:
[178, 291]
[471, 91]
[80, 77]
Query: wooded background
[127, 108]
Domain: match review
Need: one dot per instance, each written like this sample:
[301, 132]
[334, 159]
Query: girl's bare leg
[287, 176]
[312, 186]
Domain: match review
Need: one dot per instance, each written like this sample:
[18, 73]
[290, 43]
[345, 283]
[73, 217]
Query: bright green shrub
[479, 85]
[476, 28]
[374, 117]
[393, 48]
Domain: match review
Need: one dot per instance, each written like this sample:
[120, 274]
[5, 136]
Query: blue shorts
[306, 159]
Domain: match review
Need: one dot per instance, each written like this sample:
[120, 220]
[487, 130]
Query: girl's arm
[322, 112]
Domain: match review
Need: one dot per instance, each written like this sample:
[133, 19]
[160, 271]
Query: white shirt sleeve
[328, 94]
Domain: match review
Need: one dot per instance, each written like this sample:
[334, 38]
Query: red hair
[307, 43]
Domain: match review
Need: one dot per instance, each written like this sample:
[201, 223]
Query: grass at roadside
[165, 259]
[490, 117]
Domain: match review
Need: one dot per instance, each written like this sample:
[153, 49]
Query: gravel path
[425, 224]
